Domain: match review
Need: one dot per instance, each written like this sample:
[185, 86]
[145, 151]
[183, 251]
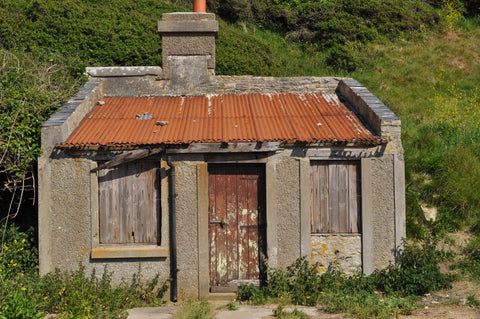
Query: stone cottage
[200, 177]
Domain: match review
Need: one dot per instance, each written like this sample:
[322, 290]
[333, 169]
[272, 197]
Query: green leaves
[28, 97]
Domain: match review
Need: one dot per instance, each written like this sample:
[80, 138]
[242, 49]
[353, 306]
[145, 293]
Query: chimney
[199, 6]
[188, 37]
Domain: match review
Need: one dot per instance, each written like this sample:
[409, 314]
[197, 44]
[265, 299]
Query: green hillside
[421, 58]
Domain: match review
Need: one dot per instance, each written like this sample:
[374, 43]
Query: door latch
[219, 222]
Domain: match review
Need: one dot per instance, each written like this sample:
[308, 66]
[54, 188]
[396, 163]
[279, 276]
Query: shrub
[18, 304]
[300, 284]
[23, 294]
[18, 255]
[470, 263]
[415, 273]
[75, 294]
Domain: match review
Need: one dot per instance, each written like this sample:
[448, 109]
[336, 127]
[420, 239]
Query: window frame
[130, 250]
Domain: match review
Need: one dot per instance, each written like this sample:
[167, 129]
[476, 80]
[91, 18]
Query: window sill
[128, 251]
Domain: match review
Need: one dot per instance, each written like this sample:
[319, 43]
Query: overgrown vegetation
[70, 294]
[419, 57]
[416, 273]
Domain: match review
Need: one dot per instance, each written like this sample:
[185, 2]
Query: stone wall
[331, 251]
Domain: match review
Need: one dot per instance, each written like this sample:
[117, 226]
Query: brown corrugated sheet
[310, 118]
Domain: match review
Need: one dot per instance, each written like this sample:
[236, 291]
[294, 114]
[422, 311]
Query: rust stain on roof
[309, 118]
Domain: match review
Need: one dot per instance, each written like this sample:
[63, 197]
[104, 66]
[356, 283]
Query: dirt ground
[449, 303]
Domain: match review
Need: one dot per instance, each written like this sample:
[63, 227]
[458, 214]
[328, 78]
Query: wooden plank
[225, 158]
[127, 233]
[220, 232]
[113, 218]
[333, 198]
[140, 208]
[325, 220]
[314, 199]
[226, 148]
[242, 188]
[353, 198]
[103, 207]
[231, 223]
[252, 199]
[342, 211]
[129, 251]
[153, 229]
[128, 156]
[211, 227]
[221, 209]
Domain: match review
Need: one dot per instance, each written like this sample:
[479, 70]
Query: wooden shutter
[335, 199]
[129, 203]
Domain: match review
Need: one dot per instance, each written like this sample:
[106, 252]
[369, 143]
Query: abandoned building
[200, 177]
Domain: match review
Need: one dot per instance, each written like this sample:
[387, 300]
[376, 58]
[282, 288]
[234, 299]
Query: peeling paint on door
[236, 196]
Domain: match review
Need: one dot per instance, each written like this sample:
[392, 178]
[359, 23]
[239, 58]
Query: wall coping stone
[119, 71]
[374, 112]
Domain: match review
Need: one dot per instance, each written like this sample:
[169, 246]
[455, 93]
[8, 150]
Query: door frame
[270, 212]
[250, 169]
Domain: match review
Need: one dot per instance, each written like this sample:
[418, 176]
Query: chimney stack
[188, 36]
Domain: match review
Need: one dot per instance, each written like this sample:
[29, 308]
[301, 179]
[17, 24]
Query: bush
[18, 255]
[23, 294]
[300, 284]
[77, 295]
[415, 273]
[239, 53]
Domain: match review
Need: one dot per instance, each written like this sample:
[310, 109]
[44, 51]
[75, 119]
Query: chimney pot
[199, 6]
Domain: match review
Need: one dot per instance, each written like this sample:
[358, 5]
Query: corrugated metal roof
[310, 118]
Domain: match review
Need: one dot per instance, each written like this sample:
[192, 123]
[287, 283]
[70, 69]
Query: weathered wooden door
[236, 225]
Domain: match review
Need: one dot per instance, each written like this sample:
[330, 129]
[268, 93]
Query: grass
[431, 82]
[229, 306]
[281, 313]
[191, 309]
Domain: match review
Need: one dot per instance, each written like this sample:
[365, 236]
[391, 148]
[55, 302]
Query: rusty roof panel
[309, 118]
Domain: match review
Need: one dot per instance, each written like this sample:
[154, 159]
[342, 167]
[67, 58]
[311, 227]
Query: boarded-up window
[129, 203]
[335, 198]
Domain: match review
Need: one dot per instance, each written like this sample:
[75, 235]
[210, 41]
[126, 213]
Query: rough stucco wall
[383, 210]
[187, 223]
[346, 250]
[69, 224]
[70, 227]
[288, 208]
